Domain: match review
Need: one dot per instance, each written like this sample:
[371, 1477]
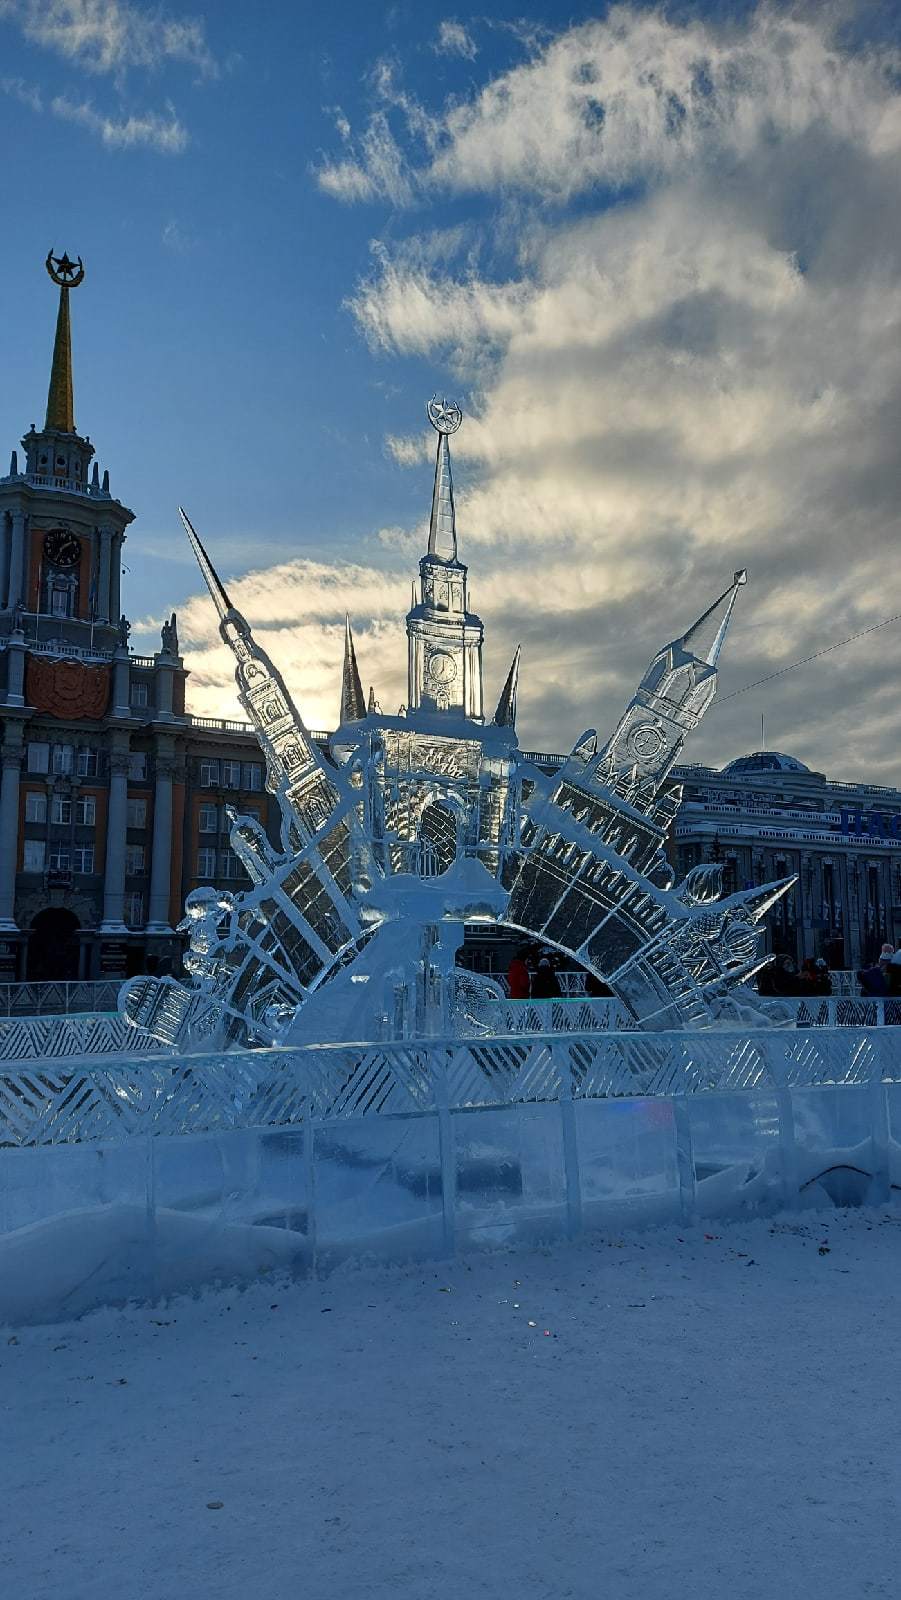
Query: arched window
[438, 839]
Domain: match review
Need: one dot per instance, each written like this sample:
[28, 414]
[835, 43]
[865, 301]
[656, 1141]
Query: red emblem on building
[64, 688]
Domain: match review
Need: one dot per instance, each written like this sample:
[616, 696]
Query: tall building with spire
[113, 798]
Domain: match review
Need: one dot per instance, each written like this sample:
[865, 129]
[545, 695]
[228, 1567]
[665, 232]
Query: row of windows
[215, 774]
[66, 760]
[218, 864]
[212, 819]
[61, 810]
[58, 857]
[62, 759]
[85, 810]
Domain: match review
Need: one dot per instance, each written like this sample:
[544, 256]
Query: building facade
[113, 798]
[767, 815]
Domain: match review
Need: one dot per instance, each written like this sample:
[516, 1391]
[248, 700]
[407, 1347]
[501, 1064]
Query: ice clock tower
[445, 637]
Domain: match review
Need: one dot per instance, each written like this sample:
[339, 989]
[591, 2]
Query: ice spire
[712, 621]
[353, 706]
[295, 770]
[60, 403]
[210, 576]
[445, 418]
[505, 715]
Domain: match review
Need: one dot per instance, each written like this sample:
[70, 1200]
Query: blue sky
[655, 254]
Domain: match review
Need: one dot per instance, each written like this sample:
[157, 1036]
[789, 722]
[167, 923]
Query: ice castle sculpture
[407, 827]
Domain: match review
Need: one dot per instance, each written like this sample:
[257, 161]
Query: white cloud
[454, 40]
[704, 375]
[154, 130]
[112, 35]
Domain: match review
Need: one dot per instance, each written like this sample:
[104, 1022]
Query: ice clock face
[442, 667]
[62, 548]
[646, 740]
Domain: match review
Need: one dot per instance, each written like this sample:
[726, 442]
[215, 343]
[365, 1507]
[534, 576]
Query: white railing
[54, 999]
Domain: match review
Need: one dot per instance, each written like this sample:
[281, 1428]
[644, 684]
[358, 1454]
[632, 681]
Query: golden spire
[60, 404]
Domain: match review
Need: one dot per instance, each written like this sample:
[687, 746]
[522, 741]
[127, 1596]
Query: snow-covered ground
[639, 1417]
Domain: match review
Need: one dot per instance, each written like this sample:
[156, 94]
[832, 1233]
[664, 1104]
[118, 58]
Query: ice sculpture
[409, 826]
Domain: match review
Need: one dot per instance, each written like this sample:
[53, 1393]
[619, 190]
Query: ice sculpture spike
[295, 770]
[210, 576]
[353, 706]
[445, 418]
[505, 715]
[694, 637]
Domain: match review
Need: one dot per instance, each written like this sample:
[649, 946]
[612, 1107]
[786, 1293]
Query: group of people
[533, 976]
[781, 977]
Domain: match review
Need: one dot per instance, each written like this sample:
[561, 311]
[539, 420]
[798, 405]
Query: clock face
[442, 667]
[62, 548]
[645, 740]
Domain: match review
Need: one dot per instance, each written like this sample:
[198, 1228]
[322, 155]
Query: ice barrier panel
[168, 1175]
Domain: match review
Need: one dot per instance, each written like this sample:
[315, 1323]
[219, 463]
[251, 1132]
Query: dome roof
[765, 761]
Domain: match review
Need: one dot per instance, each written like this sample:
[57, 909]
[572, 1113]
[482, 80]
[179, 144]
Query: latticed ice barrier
[44, 999]
[57, 1038]
[62, 1102]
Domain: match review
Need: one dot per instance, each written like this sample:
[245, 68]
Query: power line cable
[873, 628]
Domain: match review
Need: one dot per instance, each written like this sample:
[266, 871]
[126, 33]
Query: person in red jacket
[519, 979]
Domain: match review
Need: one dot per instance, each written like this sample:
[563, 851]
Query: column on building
[115, 573]
[160, 860]
[6, 528]
[11, 756]
[17, 560]
[15, 666]
[104, 613]
[116, 825]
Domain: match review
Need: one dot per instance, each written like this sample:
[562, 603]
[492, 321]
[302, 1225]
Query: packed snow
[705, 1412]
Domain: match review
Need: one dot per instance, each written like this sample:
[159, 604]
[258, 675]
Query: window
[206, 863]
[35, 808]
[208, 819]
[253, 776]
[229, 865]
[64, 759]
[209, 774]
[84, 858]
[134, 910]
[134, 859]
[61, 595]
[60, 858]
[137, 814]
[38, 757]
[60, 811]
[34, 856]
[86, 765]
[251, 811]
[231, 774]
[137, 765]
[86, 811]
[140, 692]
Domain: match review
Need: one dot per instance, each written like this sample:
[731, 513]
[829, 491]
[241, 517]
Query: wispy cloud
[153, 130]
[454, 40]
[109, 36]
[27, 94]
